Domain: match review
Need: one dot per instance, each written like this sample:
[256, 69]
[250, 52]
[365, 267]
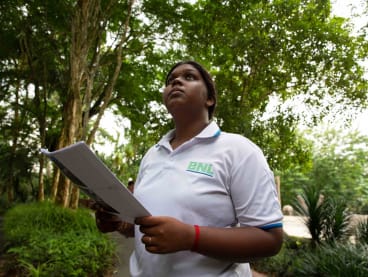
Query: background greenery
[336, 247]
[64, 64]
[43, 239]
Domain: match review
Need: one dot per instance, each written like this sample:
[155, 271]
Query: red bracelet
[196, 239]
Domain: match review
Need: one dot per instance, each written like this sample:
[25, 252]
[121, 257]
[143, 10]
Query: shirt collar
[212, 130]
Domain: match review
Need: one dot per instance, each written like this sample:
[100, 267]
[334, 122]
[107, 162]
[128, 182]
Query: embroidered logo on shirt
[203, 168]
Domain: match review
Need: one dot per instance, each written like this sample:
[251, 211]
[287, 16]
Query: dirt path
[125, 247]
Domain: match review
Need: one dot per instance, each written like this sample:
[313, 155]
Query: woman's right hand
[107, 222]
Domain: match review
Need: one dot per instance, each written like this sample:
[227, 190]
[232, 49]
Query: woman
[211, 194]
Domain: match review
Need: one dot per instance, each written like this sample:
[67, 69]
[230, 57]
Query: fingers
[152, 233]
[107, 222]
[151, 244]
[126, 229]
[147, 240]
[147, 220]
[163, 234]
[148, 225]
[106, 216]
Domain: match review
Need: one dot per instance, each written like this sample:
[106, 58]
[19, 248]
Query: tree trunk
[74, 197]
[55, 183]
[62, 196]
[87, 32]
[15, 134]
[41, 186]
[109, 88]
[69, 134]
[41, 101]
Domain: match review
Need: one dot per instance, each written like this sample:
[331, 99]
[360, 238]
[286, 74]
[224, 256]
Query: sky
[345, 8]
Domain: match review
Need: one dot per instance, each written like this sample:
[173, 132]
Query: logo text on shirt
[203, 168]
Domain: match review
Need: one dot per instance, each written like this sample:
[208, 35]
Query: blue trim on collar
[212, 130]
[217, 133]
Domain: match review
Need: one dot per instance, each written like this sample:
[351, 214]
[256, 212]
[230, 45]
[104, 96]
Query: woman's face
[186, 92]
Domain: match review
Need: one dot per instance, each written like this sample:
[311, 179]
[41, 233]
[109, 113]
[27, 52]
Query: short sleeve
[253, 190]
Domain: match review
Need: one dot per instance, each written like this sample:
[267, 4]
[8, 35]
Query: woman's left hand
[162, 234]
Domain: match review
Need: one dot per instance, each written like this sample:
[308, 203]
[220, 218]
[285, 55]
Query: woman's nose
[176, 81]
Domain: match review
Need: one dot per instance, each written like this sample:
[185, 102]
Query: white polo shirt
[216, 179]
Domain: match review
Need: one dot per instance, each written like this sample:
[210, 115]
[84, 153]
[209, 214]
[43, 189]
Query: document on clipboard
[81, 165]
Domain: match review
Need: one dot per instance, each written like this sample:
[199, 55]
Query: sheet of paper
[86, 170]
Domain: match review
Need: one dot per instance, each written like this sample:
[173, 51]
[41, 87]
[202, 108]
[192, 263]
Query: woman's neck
[184, 131]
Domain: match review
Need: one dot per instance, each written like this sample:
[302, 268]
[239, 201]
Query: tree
[88, 26]
[82, 57]
[338, 169]
[263, 49]
[68, 58]
[340, 166]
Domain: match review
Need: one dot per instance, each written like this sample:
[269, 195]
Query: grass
[43, 239]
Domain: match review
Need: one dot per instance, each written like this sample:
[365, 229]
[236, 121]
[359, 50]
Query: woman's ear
[210, 102]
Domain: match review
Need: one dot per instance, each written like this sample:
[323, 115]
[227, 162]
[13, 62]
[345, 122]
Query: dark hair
[210, 84]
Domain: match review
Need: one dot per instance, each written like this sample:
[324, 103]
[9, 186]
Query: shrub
[309, 206]
[362, 232]
[284, 262]
[297, 258]
[47, 240]
[334, 259]
[327, 219]
[335, 220]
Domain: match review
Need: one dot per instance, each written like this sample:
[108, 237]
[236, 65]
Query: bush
[327, 219]
[334, 260]
[47, 240]
[309, 206]
[335, 220]
[4, 204]
[284, 262]
[362, 232]
[298, 258]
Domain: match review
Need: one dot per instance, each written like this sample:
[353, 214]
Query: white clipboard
[93, 177]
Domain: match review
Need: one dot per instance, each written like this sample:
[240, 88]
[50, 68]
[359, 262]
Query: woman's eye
[170, 80]
[189, 77]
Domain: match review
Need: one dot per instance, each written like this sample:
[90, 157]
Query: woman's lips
[175, 92]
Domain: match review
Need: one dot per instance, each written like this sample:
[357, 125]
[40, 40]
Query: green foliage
[281, 49]
[329, 252]
[19, 162]
[327, 219]
[309, 205]
[284, 262]
[338, 168]
[256, 50]
[334, 260]
[336, 220]
[362, 232]
[292, 182]
[297, 258]
[47, 240]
